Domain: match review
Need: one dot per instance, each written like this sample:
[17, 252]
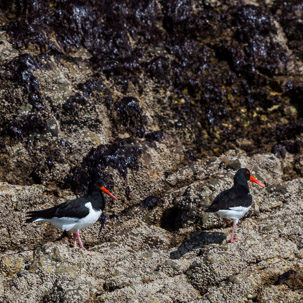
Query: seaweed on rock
[121, 155]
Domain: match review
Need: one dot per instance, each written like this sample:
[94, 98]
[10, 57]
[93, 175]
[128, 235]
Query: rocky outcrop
[164, 100]
[151, 256]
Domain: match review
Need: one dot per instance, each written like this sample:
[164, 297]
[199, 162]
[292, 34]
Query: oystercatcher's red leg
[232, 234]
[80, 242]
[75, 239]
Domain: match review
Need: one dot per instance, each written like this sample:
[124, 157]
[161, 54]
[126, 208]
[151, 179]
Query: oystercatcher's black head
[243, 175]
[99, 185]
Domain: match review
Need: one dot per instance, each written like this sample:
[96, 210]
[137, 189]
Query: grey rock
[136, 260]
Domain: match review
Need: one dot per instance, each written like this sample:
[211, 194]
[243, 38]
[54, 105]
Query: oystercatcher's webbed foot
[77, 237]
[232, 234]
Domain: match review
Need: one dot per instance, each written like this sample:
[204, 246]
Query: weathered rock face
[164, 100]
[152, 255]
[86, 84]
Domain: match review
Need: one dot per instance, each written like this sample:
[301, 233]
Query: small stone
[235, 165]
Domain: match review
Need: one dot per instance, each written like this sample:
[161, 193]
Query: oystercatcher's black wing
[73, 208]
[232, 197]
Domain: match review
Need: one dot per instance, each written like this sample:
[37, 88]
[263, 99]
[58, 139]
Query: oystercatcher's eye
[247, 172]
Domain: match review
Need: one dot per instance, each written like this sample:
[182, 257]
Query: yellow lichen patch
[10, 265]
[211, 260]
[155, 174]
[246, 123]
[93, 137]
[228, 88]
[272, 93]
[38, 263]
[278, 204]
[49, 269]
[66, 269]
[291, 111]
[274, 107]
[185, 91]
[263, 117]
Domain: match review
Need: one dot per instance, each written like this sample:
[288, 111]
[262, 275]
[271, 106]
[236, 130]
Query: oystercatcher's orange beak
[108, 192]
[256, 181]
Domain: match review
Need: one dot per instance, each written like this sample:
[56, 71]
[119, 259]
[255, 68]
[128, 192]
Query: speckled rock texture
[164, 100]
[151, 255]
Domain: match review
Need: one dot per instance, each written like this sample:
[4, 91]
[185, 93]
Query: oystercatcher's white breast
[234, 213]
[74, 224]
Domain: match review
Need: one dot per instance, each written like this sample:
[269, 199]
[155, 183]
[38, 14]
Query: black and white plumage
[75, 214]
[235, 202]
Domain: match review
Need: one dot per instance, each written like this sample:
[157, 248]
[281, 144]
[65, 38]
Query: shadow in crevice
[197, 241]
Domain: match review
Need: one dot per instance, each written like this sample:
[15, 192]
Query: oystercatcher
[235, 202]
[75, 214]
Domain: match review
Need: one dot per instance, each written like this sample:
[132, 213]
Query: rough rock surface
[164, 100]
[137, 260]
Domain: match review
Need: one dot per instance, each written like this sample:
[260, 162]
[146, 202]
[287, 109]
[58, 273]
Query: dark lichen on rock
[130, 116]
[207, 66]
[121, 155]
